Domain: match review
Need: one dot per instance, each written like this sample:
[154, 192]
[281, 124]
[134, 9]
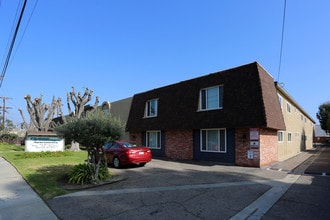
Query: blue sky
[119, 48]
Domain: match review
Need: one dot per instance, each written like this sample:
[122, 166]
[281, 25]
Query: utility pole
[4, 108]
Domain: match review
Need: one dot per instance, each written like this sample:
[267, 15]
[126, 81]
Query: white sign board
[254, 143]
[250, 154]
[43, 143]
[254, 134]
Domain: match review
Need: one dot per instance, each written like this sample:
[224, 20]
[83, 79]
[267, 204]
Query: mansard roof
[249, 100]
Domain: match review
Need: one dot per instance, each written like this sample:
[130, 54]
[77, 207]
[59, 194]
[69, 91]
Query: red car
[121, 153]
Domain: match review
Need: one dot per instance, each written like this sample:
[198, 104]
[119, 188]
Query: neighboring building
[232, 116]
[320, 135]
[119, 109]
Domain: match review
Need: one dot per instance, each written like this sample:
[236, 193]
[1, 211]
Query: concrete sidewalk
[296, 164]
[17, 199]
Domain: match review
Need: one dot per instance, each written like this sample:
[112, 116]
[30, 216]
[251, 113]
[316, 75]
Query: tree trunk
[74, 146]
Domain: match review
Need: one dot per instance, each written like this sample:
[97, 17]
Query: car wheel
[116, 162]
[142, 164]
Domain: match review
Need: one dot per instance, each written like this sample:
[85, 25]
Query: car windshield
[129, 144]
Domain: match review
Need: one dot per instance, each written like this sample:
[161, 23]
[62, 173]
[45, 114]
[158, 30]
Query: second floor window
[211, 98]
[280, 136]
[151, 108]
[288, 107]
[280, 99]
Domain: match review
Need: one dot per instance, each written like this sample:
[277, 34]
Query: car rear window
[129, 144]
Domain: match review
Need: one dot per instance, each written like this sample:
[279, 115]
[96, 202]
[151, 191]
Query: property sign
[254, 134]
[250, 154]
[254, 137]
[254, 143]
[43, 143]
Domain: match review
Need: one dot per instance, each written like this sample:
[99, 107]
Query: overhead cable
[3, 73]
[280, 61]
[28, 22]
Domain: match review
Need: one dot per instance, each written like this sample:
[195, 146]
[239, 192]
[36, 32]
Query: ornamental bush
[83, 174]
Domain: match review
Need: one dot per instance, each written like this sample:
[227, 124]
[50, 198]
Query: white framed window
[153, 139]
[280, 136]
[211, 98]
[213, 140]
[289, 136]
[288, 107]
[151, 109]
[280, 99]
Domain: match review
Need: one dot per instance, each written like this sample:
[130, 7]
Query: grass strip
[44, 171]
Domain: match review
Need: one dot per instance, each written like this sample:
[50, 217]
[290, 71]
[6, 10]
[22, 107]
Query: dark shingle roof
[249, 100]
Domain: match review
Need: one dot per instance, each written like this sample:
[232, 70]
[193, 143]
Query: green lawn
[43, 171]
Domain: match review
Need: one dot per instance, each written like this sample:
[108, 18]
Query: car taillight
[130, 152]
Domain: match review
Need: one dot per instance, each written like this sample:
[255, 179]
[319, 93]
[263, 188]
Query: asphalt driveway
[170, 190]
[204, 190]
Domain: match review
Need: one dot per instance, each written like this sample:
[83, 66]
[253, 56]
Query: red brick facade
[268, 147]
[179, 144]
[242, 145]
[136, 137]
[261, 155]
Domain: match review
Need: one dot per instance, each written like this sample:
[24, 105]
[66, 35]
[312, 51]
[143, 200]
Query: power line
[280, 62]
[28, 22]
[3, 73]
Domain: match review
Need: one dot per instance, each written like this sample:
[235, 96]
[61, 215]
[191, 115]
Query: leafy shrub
[8, 138]
[44, 154]
[83, 173]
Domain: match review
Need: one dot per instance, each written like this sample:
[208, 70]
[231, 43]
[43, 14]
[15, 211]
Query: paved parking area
[321, 163]
[205, 190]
[178, 190]
[297, 188]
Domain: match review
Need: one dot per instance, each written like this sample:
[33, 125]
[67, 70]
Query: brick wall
[268, 147]
[242, 145]
[136, 137]
[265, 154]
[179, 144]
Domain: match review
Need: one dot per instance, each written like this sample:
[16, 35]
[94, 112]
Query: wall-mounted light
[243, 138]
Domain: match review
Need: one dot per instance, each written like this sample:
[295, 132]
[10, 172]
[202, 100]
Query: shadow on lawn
[48, 181]
[51, 181]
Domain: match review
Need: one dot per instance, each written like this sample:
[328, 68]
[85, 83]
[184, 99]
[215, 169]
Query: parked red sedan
[121, 153]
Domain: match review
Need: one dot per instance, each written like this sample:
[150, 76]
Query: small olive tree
[92, 132]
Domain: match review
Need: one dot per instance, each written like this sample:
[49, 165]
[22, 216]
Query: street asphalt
[297, 188]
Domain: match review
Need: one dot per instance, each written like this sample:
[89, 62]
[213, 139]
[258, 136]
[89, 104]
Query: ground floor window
[213, 140]
[153, 139]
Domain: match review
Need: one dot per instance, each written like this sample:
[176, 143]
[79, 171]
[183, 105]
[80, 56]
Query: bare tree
[41, 114]
[79, 103]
